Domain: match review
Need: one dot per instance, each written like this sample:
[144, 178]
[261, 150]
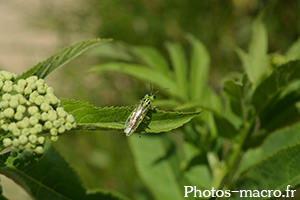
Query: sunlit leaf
[113, 118]
[62, 57]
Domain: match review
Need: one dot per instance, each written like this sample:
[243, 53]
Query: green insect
[139, 113]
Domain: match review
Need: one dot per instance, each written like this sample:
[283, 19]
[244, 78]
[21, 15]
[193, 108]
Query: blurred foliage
[103, 159]
[219, 24]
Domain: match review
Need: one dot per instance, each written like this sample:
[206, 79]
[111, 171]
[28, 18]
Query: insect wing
[136, 118]
[130, 123]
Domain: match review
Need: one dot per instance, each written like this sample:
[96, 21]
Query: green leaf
[274, 173]
[283, 112]
[115, 51]
[256, 63]
[293, 52]
[62, 57]
[196, 166]
[275, 141]
[113, 118]
[47, 177]
[240, 97]
[152, 58]
[140, 72]
[200, 61]
[283, 137]
[258, 49]
[155, 164]
[271, 87]
[234, 92]
[180, 67]
[224, 127]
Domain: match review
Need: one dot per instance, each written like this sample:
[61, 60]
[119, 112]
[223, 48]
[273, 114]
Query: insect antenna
[159, 91]
[156, 91]
[150, 89]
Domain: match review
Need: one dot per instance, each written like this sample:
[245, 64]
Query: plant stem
[237, 152]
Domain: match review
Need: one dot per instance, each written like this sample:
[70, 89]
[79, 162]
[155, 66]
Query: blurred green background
[33, 30]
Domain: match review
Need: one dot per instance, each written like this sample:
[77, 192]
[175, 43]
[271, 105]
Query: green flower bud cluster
[28, 110]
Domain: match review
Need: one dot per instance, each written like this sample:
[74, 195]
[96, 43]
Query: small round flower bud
[7, 87]
[25, 131]
[54, 138]
[61, 129]
[15, 97]
[56, 123]
[28, 145]
[32, 139]
[45, 107]
[39, 150]
[40, 82]
[62, 113]
[23, 139]
[14, 153]
[44, 116]
[54, 100]
[8, 112]
[50, 90]
[8, 82]
[47, 101]
[18, 116]
[33, 131]
[52, 116]
[33, 120]
[7, 75]
[41, 90]
[32, 86]
[27, 90]
[15, 76]
[12, 126]
[21, 109]
[41, 140]
[62, 120]
[27, 103]
[19, 124]
[5, 127]
[16, 132]
[34, 94]
[27, 152]
[32, 110]
[19, 89]
[53, 131]
[13, 103]
[38, 127]
[70, 119]
[48, 125]
[68, 126]
[15, 142]
[6, 97]
[4, 104]
[22, 100]
[22, 82]
[7, 142]
[25, 122]
[31, 79]
[39, 100]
